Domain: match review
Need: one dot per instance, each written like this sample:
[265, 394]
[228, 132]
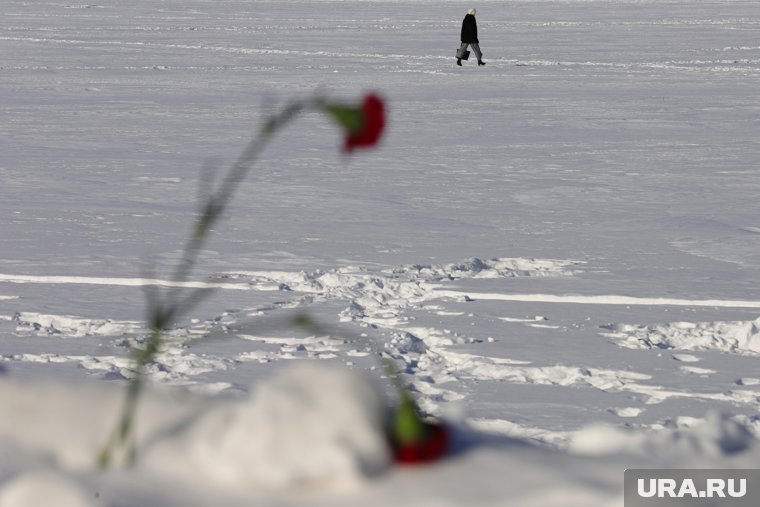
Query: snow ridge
[736, 337]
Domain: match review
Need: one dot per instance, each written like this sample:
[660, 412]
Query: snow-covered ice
[560, 250]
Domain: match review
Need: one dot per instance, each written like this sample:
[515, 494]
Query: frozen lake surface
[567, 236]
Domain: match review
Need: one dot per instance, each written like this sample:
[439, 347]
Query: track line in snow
[433, 292]
[125, 282]
[597, 300]
[713, 65]
[223, 49]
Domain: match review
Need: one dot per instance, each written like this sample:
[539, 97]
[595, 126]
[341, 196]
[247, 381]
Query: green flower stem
[165, 310]
[406, 426]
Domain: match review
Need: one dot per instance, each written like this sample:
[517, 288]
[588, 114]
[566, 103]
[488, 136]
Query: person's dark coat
[470, 30]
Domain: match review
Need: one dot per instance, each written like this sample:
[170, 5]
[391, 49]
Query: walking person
[470, 38]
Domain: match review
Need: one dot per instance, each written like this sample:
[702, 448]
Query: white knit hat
[471, 12]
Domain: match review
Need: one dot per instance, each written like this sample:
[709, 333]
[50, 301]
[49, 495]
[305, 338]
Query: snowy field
[560, 249]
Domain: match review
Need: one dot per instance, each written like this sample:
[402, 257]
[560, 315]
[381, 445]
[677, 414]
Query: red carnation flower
[370, 127]
[431, 447]
[413, 439]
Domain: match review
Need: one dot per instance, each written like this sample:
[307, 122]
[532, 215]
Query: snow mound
[353, 278]
[314, 435]
[36, 489]
[714, 436]
[308, 425]
[738, 337]
[490, 268]
[65, 425]
[73, 327]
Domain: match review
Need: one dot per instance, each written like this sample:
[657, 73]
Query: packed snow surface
[559, 250]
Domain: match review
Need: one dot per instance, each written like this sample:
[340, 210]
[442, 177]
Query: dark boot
[459, 62]
[481, 62]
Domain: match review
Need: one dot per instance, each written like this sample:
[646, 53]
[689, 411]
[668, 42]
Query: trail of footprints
[379, 304]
